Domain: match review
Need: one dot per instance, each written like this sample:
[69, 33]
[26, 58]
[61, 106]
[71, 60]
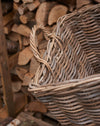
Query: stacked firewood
[19, 16]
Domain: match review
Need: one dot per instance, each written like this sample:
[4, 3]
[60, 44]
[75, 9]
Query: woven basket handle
[34, 44]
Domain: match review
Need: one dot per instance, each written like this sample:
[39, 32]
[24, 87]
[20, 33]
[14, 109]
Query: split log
[27, 1]
[21, 29]
[25, 56]
[27, 17]
[21, 72]
[31, 23]
[16, 86]
[49, 29]
[12, 47]
[33, 6]
[13, 36]
[20, 100]
[1, 104]
[81, 3]
[20, 43]
[34, 64]
[3, 113]
[8, 18]
[26, 41]
[56, 12]
[22, 9]
[16, 6]
[43, 11]
[40, 36]
[36, 106]
[27, 93]
[13, 60]
[70, 3]
[43, 45]
[16, 1]
[16, 18]
[27, 79]
[7, 6]
[97, 1]
[67, 2]
[8, 27]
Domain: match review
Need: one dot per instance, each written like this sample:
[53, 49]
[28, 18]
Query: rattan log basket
[68, 78]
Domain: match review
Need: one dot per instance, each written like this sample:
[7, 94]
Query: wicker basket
[68, 79]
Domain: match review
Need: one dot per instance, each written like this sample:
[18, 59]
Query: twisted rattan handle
[34, 44]
[34, 47]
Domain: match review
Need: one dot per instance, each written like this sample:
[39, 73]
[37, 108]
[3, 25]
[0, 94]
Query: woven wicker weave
[68, 79]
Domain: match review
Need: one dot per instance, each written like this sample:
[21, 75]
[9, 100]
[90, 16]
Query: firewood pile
[19, 16]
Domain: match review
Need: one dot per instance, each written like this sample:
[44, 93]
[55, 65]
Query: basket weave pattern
[66, 80]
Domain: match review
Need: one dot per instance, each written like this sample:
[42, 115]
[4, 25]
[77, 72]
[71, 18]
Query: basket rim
[65, 84]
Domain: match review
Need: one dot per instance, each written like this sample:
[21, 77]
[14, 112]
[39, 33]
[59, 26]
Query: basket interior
[74, 50]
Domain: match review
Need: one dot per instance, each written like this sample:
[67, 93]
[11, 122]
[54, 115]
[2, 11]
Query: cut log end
[56, 12]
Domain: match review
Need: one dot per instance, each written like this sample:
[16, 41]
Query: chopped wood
[36, 106]
[20, 100]
[13, 36]
[7, 6]
[33, 6]
[27, 93]
[27, 17]
[12, 47]
[1, 104]
[22, 9]
[43, 45]
[13, 60]
[56, 12]
[21, 29]
[40, 37]
[8, 18]
[27, 79]
[97, 1]
[20, 42]
[3, 113]
[34, 64]
[26, 41]
[26, 117]
[67, 2]
[50, 30]
[16, 6]
[31, 23]
[25, 56]
[70, 3]
[8, 27]
[16, 86]
[21, 72]
[16, 1]
[81, 3]
[16, 18]
[27, 1]
[43, 11]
